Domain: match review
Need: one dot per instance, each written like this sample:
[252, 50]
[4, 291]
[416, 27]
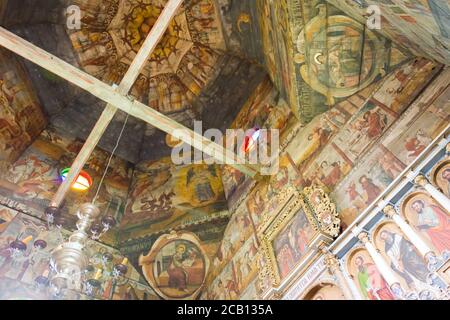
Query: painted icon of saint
[434, 222]
[371, 283]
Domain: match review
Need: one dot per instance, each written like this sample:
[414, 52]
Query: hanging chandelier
[70, 271]
[70, 263]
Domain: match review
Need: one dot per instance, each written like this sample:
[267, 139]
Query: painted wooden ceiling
[190, 76]
[215, 53]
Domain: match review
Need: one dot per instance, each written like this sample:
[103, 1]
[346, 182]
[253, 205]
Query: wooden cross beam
[117, 99]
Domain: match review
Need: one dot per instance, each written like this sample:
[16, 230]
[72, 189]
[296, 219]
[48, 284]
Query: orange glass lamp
[83, 182]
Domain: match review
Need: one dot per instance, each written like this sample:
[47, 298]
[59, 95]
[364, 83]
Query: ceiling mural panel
[191, 75]
[421, 26]
[180, 67]
[30, 183]
[321, 55]
[21, 116]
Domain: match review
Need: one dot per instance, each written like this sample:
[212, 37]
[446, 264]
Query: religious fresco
[34, 178]
[262, 110]
[395, 151]
[238, 276]
[19, 274]
[367, 183]
[164, 196]
[319, 154]
[378, 101]
[325, 291]
[404, 259]
[244, 264]
[191, 75]
[239, 229]
[241, 28]
[367, 277]
[429, 219]
[321, 55]
[421, 26]
[368, 125]
[310, 140]
[176, 266]
[21, 116]
[277, 39]
[268, 197]
[417, 134]
[223, 287]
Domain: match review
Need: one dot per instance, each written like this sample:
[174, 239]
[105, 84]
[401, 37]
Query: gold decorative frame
[324, 233]
[324, 210]
[146, 262]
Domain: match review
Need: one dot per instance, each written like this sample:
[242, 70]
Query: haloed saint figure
[405, 260]
[434, 222]
[179, 269]
[371, 283]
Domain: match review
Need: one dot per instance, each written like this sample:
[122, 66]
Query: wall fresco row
[380, 106]
[351, 270]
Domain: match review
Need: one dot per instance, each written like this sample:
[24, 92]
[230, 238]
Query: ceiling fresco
[422, 26]
[325, 55]
[191, 73]
[182, 65]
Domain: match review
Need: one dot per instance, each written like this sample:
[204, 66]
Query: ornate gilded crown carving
[323, 210]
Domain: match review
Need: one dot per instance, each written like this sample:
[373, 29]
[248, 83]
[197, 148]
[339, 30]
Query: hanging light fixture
[69, 262]
[83, 182]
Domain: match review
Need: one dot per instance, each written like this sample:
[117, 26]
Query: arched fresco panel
[430, 220]
[367, 277]
[325, 291]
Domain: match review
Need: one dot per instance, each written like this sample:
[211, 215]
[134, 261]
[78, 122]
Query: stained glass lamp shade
[83, 182]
